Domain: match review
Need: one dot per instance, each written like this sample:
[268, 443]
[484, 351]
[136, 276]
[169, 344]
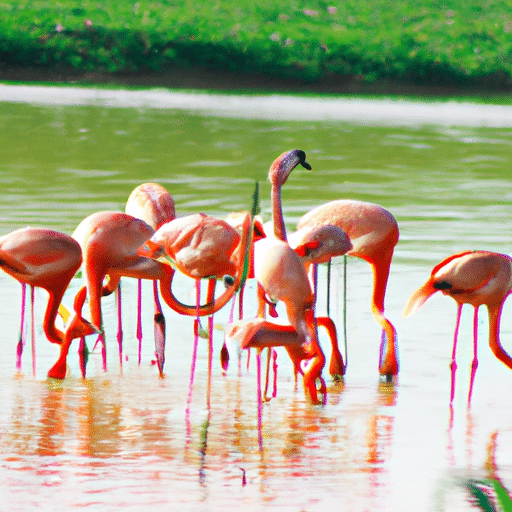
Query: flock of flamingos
[149, 242]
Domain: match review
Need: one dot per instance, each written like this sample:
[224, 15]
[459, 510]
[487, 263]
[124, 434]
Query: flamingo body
[45, 258]
[152, 203]
[368, 225]
[109, 242]
[472, 277]
[373, 233]
[198, 245]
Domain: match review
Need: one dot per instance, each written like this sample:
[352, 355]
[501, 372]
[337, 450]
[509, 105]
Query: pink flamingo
[201, 246]
[373, 232]
[472, 277]
[281, 275]
[48, 259]
[153, 204]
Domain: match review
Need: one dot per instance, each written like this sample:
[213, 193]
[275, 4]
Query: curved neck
[494, 334]
[52, 333]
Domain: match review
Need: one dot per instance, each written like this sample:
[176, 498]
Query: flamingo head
[284, 164]
[321, 243]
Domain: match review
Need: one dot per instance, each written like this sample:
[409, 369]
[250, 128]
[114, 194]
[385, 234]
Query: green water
[123, 439]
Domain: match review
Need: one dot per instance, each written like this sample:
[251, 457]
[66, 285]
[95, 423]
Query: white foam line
[272, 107]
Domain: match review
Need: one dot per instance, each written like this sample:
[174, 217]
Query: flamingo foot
[57, 371]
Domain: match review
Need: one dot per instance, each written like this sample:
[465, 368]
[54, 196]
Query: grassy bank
[338, 46]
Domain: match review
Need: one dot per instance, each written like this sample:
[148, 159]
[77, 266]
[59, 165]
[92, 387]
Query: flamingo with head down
[47, 259]
[472, 277]
[153, 204]
[202, 247]
[373, 232]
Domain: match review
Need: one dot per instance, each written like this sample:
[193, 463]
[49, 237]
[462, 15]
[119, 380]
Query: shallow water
[126, 438]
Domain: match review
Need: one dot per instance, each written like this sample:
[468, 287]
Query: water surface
[126, 438]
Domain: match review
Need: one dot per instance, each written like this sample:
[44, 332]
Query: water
[126, 438]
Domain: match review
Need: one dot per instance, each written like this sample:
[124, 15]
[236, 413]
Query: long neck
[494, 334]
[277, 213]
[52, 333]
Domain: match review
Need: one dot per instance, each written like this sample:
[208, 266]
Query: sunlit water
[127, 439]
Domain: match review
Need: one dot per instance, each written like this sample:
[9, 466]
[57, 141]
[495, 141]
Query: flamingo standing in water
[373, 232]
[201, 246]
[109, 242]
[472, 277]
[281, 275]
[48, 259]
[153, 204]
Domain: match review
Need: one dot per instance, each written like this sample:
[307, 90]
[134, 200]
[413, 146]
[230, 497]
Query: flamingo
[373, 232]
[314, 244]
[201, 246]
[281, 275]
[47, 259]
[471, 277]
[109, 242]
[153, 204]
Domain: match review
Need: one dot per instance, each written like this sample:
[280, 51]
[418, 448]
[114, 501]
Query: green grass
[452, 43]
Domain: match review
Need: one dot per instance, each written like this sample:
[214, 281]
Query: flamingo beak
[166, 260]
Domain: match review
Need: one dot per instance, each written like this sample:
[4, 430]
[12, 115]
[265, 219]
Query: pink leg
[474, 363]
[210, 360]
[453, 364]
[21, 340]
[196, 342]
[260, 401]
[101, 340]
[119, 325]
[210, 297]
[159, 331]
[274, 367]
[139, 317]
[33, 331]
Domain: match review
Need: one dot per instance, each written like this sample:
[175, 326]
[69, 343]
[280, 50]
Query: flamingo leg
[159, 321]
[260, 400]
[474, 363]
[119, 326]
[345, 342]
[33, 331]
[21, 340]
[196, 342]
[453, 364]
[210, 297]
[139, 317]
[267, 373]
[274, 367]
